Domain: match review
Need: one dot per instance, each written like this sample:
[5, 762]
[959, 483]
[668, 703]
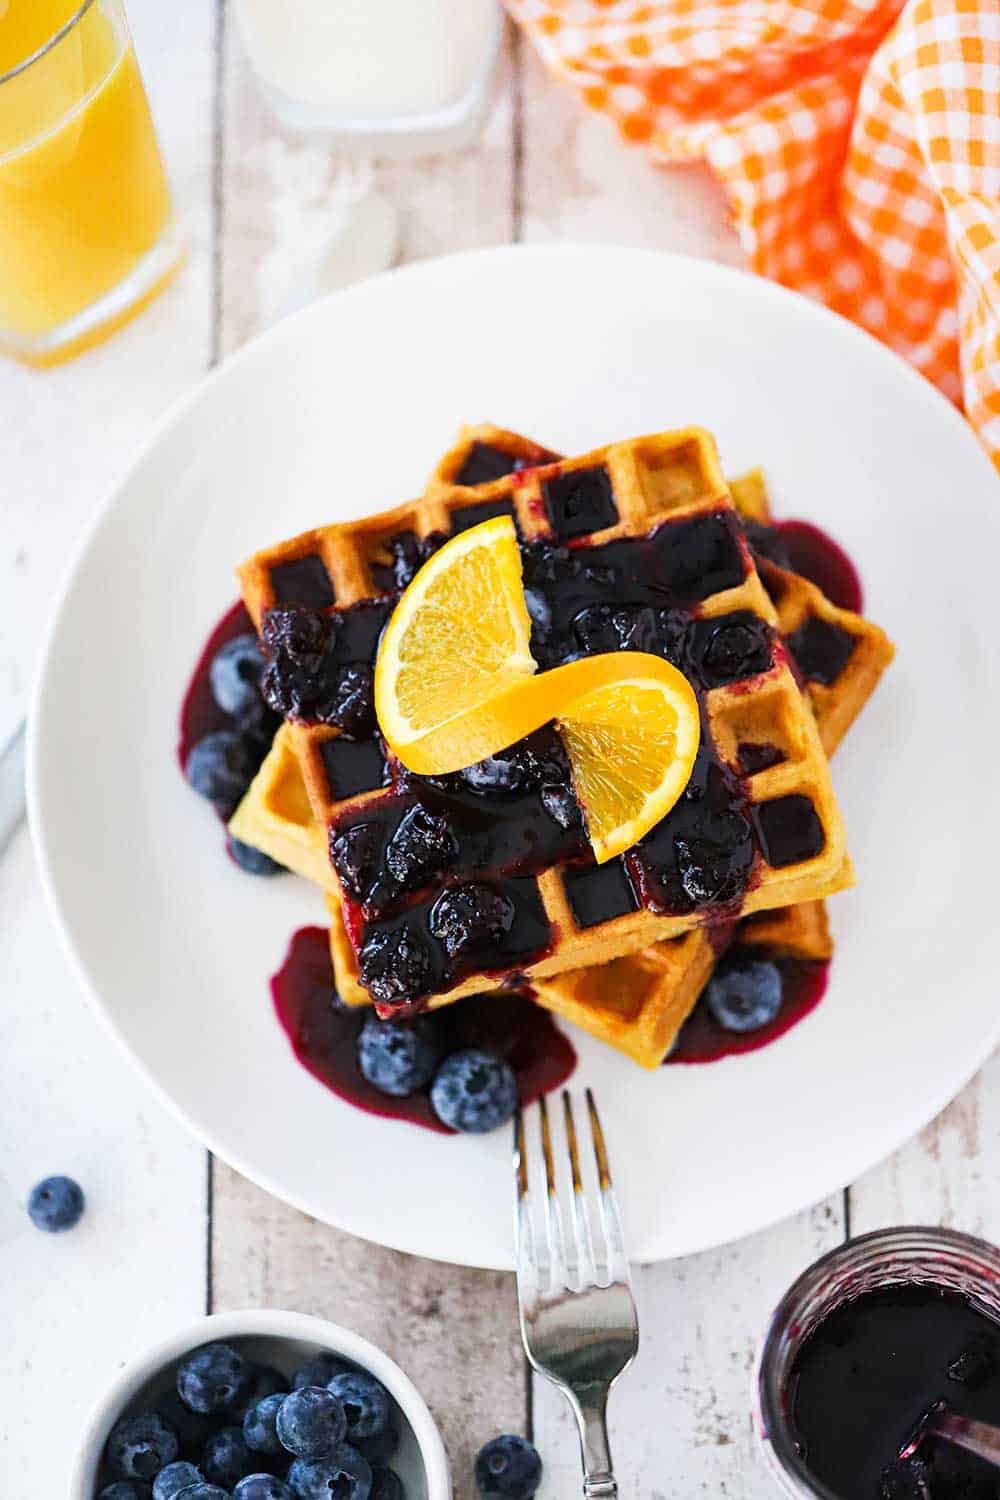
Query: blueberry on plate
[140, 1446]
[474, 1091]
[386, 1485]
[343, 1474]
[193, 1429]
[221, 766]
[125, 1489]
[399, 1057]
[744, 994]
[365, 1402]
[509, 1467]
[176, 1477]
[262, 1487]
[55, 1204]
[213, 1378]
[235, 674]
[227, 1458]
[319, 1370]
[311, 1421]
[260, 1425]
[254, 861]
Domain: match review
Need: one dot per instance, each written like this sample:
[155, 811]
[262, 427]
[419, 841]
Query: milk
[348, 62]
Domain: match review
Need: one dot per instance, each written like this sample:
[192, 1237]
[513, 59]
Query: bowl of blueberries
[262, 1406]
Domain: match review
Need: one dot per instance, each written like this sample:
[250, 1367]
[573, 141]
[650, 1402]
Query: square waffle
[638, 1003]
[783, 817]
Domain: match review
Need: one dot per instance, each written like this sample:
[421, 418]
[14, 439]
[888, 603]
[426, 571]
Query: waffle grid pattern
[659, 481]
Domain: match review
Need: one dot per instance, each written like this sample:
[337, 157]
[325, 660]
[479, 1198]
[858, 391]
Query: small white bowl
[284, 1339]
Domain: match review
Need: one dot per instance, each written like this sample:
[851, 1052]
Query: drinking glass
[87, 232]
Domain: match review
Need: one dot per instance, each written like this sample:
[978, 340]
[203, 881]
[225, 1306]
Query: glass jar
[889, 1257]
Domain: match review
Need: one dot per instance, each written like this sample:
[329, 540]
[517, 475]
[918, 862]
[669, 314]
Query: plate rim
[177, 410]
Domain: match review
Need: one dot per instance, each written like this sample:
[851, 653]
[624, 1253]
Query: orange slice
[455, 682]
[460, 635]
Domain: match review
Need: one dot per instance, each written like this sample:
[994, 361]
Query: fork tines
[582, 1259]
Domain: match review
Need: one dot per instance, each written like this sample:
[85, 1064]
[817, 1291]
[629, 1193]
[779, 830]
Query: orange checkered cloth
[858, 141]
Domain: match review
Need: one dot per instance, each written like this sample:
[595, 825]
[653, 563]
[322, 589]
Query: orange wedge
[455, 682]
[460, 635]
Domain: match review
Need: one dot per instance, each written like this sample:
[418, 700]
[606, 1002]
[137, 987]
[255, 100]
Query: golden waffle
[785, 812]
[839, 654]
[636, 1004]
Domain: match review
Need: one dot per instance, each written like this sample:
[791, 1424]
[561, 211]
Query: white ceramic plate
[343, 410]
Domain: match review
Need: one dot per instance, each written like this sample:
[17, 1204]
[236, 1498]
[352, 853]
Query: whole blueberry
[386, 1485]
[235, 674]
[471, 918]
[125, 1489]
[55, 1204]
[259, 1425]
[319, 1370]
[262, 1487]
[227, 1458]
[253, 861]
[474, 1091]
[311, 1421]
[176, 1477]
[221, 766]
[395, 964]
[141, 1446]
[193, 1429]
[509, 1467]
[379, 1450]
[365, 1403]
[343, 1474]
[399, 1057]
[266, 1381]
[213, 1378]
[744, 994]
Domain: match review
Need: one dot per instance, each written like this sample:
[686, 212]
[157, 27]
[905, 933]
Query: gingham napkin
[858, 141]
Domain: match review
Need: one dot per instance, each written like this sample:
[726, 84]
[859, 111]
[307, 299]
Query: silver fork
[578, 1319]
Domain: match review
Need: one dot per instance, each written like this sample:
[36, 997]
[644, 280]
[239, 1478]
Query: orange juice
[83, 196]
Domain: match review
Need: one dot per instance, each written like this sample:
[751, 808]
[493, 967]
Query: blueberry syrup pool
[864, 1379]
[803, 984]
[324, 1035]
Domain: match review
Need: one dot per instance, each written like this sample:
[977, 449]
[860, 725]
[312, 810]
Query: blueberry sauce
[864, 1378]
[823, 561]
[200, 714]
[323, 1034]
[803, 984]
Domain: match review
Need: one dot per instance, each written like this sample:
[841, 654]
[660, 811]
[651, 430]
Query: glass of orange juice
[87, 233]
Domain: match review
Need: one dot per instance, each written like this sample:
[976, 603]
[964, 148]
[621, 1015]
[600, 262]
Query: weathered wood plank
[454, 1331]
[78, 1306]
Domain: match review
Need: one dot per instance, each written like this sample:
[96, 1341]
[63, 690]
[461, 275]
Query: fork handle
[590, 1408]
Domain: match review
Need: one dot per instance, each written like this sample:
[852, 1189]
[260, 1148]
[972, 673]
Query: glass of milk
[390, 76]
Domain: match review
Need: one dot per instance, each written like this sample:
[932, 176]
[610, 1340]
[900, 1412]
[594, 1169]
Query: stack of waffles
[641, 545]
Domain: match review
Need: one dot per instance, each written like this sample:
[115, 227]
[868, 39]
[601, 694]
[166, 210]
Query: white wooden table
[170, 1233]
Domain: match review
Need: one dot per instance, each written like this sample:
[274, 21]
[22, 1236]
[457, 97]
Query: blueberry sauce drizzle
[323, 1034]
[864, 1378]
